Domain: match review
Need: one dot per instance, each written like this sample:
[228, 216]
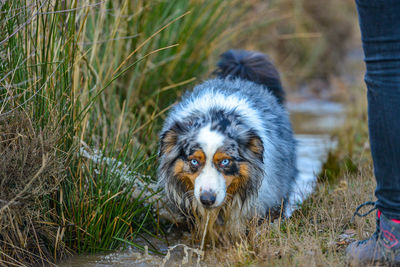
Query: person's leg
[380, 29]
[380, 32]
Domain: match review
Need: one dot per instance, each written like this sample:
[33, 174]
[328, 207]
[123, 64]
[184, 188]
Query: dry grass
[30, 171]
[318, 233]
[315, 236]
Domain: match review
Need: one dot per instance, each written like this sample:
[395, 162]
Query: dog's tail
[252, 66]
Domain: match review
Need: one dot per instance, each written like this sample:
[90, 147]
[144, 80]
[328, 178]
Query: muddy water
[313, 122]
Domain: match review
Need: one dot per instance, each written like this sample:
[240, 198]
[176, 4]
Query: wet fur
[252, 117]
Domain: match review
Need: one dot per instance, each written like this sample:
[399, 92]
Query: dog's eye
[225, 162]
[194, 162]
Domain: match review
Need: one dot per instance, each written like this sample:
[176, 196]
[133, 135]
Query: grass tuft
[92, 80]
[30, 173]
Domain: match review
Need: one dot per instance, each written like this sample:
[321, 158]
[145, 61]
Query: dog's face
[212, 161]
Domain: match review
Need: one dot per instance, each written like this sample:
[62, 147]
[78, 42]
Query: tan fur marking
[199, 155]
[233, 183]
[256, 146]
[183, 171]
[169, 141]
[219, 156]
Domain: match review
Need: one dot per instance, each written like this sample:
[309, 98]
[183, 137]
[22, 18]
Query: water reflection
[313, 122]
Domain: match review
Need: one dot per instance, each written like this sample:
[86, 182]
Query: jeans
[380, 32]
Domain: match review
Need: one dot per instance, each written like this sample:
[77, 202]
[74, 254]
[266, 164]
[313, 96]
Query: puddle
[313, 121]
[316, 116]
[133, 257]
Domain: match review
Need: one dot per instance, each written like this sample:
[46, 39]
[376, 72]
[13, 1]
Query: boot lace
[357, 213]
[368, 203]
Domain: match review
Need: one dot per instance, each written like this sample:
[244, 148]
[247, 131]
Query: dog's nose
[207, 198]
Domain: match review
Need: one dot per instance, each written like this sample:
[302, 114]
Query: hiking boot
[382, 248]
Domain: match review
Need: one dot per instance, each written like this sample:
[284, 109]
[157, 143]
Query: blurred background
[85, 86]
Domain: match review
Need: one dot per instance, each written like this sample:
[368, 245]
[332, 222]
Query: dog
[227, 149]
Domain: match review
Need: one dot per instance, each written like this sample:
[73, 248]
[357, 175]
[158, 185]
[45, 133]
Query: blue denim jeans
[380, 32]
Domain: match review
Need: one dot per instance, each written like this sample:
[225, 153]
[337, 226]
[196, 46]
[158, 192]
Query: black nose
[207, 198]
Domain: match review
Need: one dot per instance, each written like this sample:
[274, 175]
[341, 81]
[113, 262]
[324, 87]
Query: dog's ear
[169, 139]
[255, 145]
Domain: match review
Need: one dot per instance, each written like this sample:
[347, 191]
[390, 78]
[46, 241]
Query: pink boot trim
[393, 220]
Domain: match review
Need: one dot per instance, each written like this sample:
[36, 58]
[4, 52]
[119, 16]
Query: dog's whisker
[188, 194]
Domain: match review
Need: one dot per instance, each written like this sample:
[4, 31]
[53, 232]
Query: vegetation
[84, 86]
[81, 87]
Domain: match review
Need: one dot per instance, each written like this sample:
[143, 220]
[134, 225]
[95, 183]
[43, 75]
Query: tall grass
[98, 75]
